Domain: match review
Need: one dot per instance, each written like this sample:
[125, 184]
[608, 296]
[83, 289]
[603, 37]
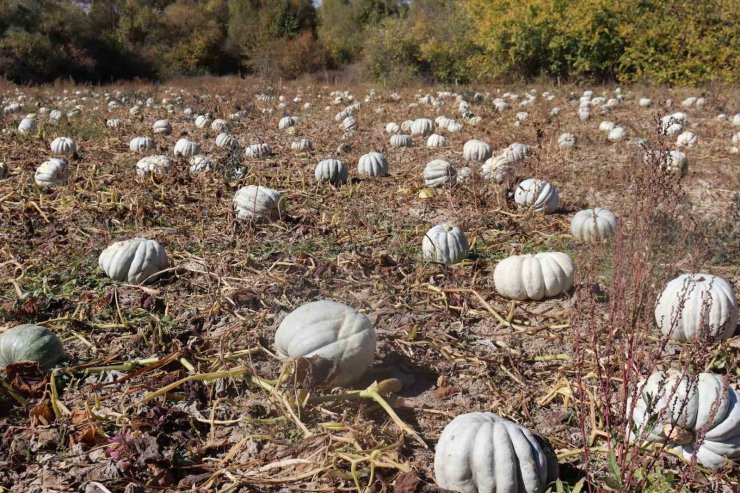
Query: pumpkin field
[214, 284]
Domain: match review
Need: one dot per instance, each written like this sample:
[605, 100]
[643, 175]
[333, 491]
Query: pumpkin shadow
[416, 379]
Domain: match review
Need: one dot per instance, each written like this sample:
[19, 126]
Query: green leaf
[579, 486]
[613, 466]
[615, 484]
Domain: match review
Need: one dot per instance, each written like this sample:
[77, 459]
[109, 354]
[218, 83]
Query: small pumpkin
[399, 140]
[52, 173]
[517, 152]
[27, 126]
[141, 144]
[484, 453]
[392, 128]
[254, 202]
[162, 127]
[258, 151]
[475, 150]
[134, 261]
[438, 173]
[331, 170]
[687, 139]
[226, 141]
[286, 122]
[302, 145]
[114, 123]
[537, 194]
[436, 140]
[422, 127]
[186, 148]
[219, 125]
[202, 121]
[200, 164]
[694, 416]
[373, 164]
[598, 223]
[697, 305]
[29, 342]
[446, 244]
[616, 134]
[349, 123]
[498, 168]
[157, 165]
[63, 146]
[566, 141]
[330, 330]
[534, 277]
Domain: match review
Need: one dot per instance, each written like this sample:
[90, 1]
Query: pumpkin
[135, 111]
[584, 113]
[475, 150]
[373, 164]
[141, 144]
[697, 305]
[331, 170]
[537, 194]
[254, 202]
[134, 261]
[219, 125]
[27, 126]
[534, 277]
[517, 152]
[566, 141]
[202, 121]
[399, 140]
[163, 127]
[498, 168]
[29, 342]
[616, 134]
[606, 126]
[436, 140]
[258, 151]
[687, 139]
[330, 330]
[438, 173]
[671, 162]
[694, 416]
[454, 127]
[3, 170]
[63, 146]
[598, 223]
[51, 173]
[200, 164]
[645, 102]
[349, 123]
[226, 141]
[114, 123]
[446, 244]
[406, 125]
[392, 128]
[484, 453]
[302, 145]
[158, 165]
[286, 122]
[422, 127]
[186, 148]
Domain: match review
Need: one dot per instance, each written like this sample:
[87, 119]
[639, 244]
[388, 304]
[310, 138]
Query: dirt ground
[172, 386]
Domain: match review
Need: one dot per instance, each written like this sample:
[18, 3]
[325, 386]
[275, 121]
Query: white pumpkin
[484, 453]
[202, 121]
[537, 194]
[438, 173]
[392, 128]
[584, 113]
[27, 126]
[671, 162]
[200, 164]
[475, 150]
[498, 168]
[186, 148]
[114, 123]
[258, 151]
[302, 145]
[3, 170]
[373, 164]
[349, 123]
[254, 202]
[736, 120]
[616, 134]
[422, 127]
[162, 127]
[406, 125]
[697, 305]
[645, 102]
[694, 416]
[63, 146]
[286, 122]
[446, 244]
[52, 173]
[226, 141]
[399, 140]
[517, 152]
[598, 223]
[330, 330]
[534, 277]
[566, 141]
[454, 127]
[219, 125]
[436, 140]
[134, 261]
[141, 144]
[687, 139]
[331, 170]
[157, 165]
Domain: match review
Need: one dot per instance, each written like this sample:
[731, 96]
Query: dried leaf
[26, 377]
[315, 371]
[406, 482]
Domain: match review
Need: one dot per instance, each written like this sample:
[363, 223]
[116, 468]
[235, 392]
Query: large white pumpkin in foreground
[257, 203]
[534, 277]
[598, 223]
[484, 453]
[333, 331]
[537, 194]
[695, 305]
[676, 409]
[445, 243]
[133, 261]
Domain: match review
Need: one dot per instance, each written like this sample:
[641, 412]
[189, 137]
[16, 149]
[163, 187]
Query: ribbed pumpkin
[436, 140]
[186, 148]
[484, 453]
[697, 305]
[140, 144]
[399, 140]
[200, 164]
[226, 141]
[52, 173]
[373, 164]
[537, 194]
[258, 151]
[254, 202]
[422, 127]
[475, 150]
[134, 261]
[332, 171]
[534, 277]
[157, 165]
[63, 146]
[162, 127]
[598, 223]
[330, 330]
[438, 173]
[446, 244]
[29, 342]
[302, 145]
